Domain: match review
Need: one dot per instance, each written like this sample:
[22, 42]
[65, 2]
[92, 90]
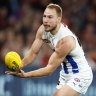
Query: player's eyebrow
[47, 15]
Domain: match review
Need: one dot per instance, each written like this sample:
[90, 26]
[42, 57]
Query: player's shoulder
[65, 45]
[40, 30]
[68, 40]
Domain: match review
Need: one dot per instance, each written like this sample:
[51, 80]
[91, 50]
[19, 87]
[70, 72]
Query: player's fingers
[10, 73]
[7, 72]
[18, 74]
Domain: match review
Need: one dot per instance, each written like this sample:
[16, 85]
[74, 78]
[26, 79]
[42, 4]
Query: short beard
[51, 30]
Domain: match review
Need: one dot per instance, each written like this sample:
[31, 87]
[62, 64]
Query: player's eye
[44, 15]
[50, 17]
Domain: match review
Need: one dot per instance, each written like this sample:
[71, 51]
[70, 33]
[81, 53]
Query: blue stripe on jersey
[65, 68]
[73, 64]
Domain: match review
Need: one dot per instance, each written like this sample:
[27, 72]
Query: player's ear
[59, 19]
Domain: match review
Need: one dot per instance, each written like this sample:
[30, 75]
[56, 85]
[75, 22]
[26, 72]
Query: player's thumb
[21, 71]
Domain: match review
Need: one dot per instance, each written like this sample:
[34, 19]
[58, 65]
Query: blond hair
[56, 7]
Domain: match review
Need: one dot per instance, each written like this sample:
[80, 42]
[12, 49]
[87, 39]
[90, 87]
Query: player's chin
[47, 29]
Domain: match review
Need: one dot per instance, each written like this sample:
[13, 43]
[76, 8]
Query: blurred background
[19, 21]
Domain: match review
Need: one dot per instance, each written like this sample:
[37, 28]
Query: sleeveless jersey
[75, 61]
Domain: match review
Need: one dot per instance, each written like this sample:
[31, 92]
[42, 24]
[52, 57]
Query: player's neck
[53, 32]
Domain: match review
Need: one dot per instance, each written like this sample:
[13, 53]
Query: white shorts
[77, 82]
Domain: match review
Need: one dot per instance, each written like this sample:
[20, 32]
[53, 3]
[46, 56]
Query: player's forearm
[39, 73]
[28, 59]
[53, 63]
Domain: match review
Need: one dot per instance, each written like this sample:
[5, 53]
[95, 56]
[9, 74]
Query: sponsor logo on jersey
[77, 79]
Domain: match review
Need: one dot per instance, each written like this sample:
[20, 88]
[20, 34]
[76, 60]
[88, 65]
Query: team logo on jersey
[77, 80]
[46, 41]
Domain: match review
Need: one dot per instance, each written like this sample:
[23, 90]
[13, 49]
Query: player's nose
[45, 20]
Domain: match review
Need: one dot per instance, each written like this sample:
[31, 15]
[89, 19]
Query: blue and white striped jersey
[75, 61]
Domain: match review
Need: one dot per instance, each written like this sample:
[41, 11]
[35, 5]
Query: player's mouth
[46, 26]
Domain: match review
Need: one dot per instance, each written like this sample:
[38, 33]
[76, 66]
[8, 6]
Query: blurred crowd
[20, 19]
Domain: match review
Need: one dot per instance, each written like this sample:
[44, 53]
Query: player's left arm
[63, 47]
